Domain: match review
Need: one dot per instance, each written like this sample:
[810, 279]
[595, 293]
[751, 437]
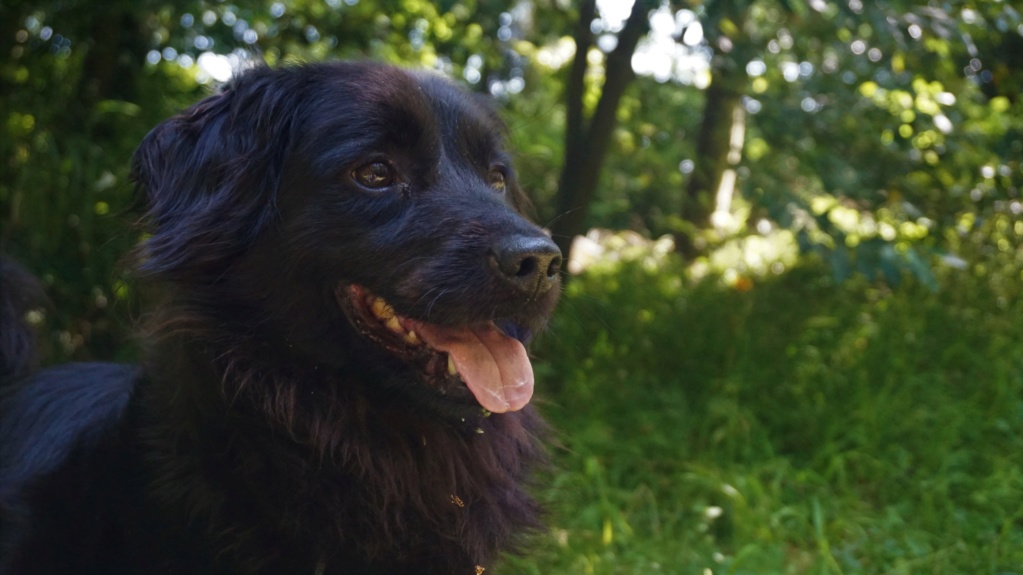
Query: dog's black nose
[529, 263]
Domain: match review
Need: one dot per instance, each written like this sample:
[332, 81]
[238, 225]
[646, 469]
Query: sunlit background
[792, 336]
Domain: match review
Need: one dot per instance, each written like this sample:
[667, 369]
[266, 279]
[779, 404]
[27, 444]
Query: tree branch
[586, 142]
[576, 86]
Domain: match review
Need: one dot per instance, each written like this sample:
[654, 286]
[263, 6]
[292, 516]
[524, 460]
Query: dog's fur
[269, 429]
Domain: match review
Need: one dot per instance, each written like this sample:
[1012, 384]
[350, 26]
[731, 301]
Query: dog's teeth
[411, 337]
[452, 370]
[381, 309]
[393, 324]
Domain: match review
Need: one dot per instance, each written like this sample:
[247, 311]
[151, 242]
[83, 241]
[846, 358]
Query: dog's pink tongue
[493, 366]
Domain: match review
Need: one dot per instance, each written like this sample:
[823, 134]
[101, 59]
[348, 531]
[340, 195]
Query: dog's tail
[20, 292]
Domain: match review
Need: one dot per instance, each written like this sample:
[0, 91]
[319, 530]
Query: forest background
[793, 337]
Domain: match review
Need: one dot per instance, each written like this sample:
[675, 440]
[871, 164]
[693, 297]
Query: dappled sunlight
[216, 67]
[600, 250]
[740, 260]
[674, 49]
[736, 261]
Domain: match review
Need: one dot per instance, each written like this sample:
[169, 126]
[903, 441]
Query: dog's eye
[496, 179]
[374, 175]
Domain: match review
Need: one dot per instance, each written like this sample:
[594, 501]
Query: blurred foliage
[885, 136]
[832, 385]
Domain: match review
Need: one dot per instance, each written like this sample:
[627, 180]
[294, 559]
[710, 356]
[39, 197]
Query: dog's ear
[207, 178]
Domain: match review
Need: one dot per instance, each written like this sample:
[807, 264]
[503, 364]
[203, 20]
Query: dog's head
[355, 217]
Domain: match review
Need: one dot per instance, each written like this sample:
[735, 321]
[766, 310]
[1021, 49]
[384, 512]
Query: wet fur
[262, 433]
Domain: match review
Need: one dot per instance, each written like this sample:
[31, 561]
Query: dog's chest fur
[336, 485]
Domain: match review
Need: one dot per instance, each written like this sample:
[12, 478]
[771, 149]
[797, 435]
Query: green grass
[797, 427]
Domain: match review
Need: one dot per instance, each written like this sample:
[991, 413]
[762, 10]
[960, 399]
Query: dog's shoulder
[58, 428]
[55, 411]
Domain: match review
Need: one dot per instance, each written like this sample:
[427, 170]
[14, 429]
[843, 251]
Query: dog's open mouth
[492, 365]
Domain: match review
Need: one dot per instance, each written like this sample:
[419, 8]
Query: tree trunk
[714, 144]
[586, 141]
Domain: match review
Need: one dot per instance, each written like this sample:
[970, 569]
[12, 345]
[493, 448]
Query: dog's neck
[336, 452]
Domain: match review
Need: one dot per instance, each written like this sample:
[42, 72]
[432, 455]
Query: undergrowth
[790, 426]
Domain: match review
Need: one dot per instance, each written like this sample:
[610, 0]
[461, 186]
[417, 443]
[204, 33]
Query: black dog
[337, 382]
